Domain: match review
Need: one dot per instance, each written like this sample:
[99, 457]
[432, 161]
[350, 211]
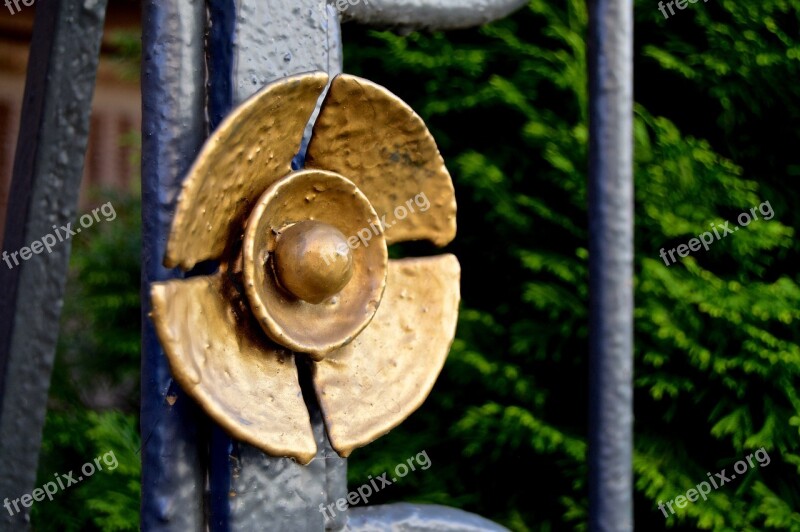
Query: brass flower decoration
[291, 283]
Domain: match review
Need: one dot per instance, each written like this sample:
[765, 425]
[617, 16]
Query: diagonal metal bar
[44, 192]
[252, 43]
[173, 128]
[611, 264]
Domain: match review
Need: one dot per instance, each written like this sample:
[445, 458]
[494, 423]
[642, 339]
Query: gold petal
[374, 139]
[248, 152]
[220, 357]
[371, 385]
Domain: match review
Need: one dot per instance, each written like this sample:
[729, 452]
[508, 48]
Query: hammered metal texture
[371, 385]
[249, 151]
[369, 135]
[219, 356]
[400, 162]
[314, 329]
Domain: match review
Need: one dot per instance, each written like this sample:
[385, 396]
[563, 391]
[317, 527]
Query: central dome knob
[311, 289]
[313, 261]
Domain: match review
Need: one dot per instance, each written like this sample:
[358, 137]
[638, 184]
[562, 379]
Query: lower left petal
[220, 357]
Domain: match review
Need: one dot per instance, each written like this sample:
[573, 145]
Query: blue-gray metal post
[174, 431]
[611, 264]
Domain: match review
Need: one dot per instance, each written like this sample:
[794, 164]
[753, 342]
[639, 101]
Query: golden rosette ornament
[304, 275]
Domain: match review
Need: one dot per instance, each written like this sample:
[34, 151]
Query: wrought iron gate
[200, 61]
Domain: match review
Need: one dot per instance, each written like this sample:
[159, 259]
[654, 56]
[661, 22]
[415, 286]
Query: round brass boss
[315, 262]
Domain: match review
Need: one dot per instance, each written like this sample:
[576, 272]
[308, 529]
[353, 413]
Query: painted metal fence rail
[611, 265]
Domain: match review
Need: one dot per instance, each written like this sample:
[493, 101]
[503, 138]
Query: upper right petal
[374, 139]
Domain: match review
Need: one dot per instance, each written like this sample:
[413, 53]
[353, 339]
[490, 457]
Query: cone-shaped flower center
[313, 261]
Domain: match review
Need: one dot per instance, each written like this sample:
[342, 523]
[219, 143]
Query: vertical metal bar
[253, 43]
[44, 192]
[174, 431]
[611, 264]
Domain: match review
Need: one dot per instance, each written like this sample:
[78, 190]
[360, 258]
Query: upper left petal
[249, 151]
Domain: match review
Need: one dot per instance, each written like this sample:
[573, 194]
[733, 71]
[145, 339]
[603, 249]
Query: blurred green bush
[94, 397]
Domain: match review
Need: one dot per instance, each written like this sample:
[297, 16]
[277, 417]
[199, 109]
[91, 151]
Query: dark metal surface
[416, 518]
[174, 432]
[44, 192]
[611, 264]
[254, 43]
